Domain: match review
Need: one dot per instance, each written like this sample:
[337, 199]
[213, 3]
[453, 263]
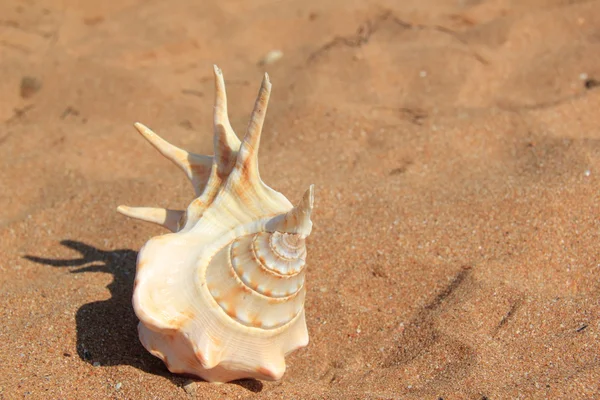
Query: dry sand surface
[455, 150]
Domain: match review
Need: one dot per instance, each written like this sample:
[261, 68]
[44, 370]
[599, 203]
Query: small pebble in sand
[423, 74]
[118, 386]
[96, 364]
[587, 172]
[29, 86]
[583, 76]
[190, 386]
[271, 57]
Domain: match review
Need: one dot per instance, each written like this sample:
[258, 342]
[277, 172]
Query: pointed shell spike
[196, 167]
[226, 143]
[161, 216]
[249, 149]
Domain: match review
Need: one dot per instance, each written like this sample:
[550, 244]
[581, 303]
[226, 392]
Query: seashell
[222, 296]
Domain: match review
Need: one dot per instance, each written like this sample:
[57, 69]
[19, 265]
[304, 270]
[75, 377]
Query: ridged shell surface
[222, 296]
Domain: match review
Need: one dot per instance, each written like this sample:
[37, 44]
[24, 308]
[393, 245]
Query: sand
[455, 150]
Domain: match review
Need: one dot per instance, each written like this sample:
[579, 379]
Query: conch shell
[222, 297]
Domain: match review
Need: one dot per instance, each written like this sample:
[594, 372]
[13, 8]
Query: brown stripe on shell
[255, 321]
[176, 322]
[249, 172]
[197, 203]
[244, 188]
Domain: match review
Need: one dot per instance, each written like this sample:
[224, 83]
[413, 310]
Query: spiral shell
[222, 297]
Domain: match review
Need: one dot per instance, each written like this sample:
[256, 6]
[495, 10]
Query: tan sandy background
[455, 149]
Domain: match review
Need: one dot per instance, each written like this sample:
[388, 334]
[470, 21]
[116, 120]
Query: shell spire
[222, 297]
[297, 220]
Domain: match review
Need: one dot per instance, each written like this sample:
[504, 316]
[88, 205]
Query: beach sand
[455, 152]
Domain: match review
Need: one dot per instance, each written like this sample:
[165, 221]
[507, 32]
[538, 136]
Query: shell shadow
[107, 329]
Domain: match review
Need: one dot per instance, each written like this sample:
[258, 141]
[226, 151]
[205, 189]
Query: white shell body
[222, 297]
